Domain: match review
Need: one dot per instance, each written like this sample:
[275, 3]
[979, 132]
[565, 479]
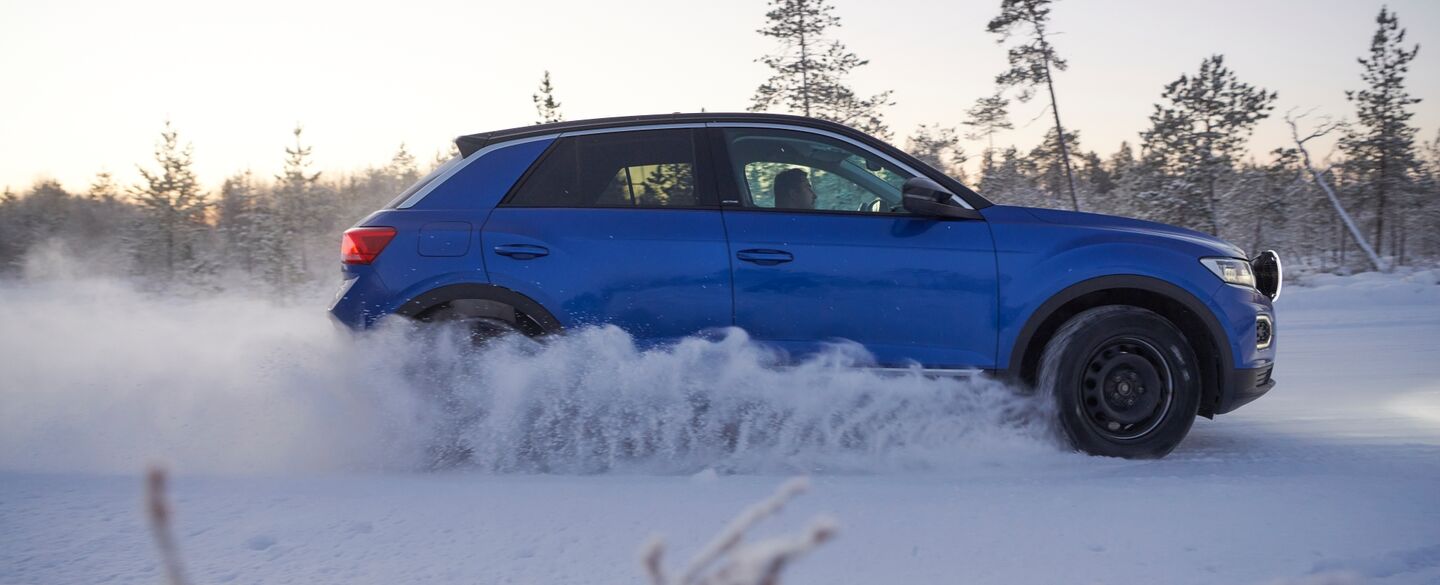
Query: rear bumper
[356, 304]
[1245, 385]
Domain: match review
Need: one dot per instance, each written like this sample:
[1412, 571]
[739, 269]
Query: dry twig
[726, 560]
[158, 510]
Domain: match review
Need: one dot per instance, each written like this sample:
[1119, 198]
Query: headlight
[1231, 270]
[1269, 277]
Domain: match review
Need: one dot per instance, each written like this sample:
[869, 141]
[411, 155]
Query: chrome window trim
[420, 195]
[840, 137]
[440, 180]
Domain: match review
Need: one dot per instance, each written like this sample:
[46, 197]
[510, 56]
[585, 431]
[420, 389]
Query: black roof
[470, 143]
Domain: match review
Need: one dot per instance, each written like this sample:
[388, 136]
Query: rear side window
[647, 168]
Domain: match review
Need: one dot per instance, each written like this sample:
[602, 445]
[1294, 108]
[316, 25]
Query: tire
[1124, 380]
[483, 321]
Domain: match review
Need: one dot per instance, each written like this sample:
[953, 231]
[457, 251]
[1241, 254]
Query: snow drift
[98, 376]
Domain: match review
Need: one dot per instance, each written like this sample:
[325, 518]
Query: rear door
[617, 227]
[847, 262]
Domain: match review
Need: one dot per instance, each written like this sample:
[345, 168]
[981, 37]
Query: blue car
[802, 232]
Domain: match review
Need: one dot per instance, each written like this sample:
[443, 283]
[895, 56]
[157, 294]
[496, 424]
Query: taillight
[362, 244]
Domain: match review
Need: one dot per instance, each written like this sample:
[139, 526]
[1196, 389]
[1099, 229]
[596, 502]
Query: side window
[785, 169]
[646, 168]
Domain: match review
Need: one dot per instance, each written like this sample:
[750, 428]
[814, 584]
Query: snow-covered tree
[1380, 149]
[939, 148]
[237, 221]
[1011, 180]
[810, 69]
[403, 169]
[1195, 137]
[546, 106]
[300, 211]
[989, 116]
[1052, 162]
[1033, 63]
[104, 187]
[171, 227]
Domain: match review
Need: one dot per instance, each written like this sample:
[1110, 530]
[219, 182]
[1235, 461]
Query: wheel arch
[1179, 306]
[482, 300]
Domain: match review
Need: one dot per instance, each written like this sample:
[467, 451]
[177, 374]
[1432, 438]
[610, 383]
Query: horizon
[237, 100]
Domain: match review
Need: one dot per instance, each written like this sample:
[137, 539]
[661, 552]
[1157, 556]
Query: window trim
[455, 169]
[703, 166]
[846, 139]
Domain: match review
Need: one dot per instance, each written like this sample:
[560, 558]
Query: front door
[822, 250]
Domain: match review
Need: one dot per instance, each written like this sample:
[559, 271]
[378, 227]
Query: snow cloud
[98, 376]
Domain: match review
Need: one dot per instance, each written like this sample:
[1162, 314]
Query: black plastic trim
[487, 292]
[1245, 386]
[1022, 350]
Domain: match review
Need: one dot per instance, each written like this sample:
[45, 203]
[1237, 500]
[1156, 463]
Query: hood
[1139, 226]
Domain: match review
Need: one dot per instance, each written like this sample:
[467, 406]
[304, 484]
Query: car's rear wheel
[481, 321]
[1124, 380]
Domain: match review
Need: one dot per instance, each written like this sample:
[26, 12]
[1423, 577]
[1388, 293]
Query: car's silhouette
[801, 232]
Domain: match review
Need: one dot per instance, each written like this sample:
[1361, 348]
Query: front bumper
[1245, 385]
[1244, 314]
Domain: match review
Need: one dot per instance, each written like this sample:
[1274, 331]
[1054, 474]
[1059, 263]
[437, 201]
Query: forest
[1371, 203]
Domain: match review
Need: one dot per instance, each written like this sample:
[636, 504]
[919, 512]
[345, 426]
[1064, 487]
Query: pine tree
[1096, 182]
[1108, 182]
[939, 148]
[1051, 159]
[103, 188]
[545, 104]
[1195, 138]
[236, 221]
[988, 117]
[300, 209]
[1011, 180]
[1032, 64]
[1429, 188]
[171, 227]
[1380, 149]
[402, 168]
[667, 182]
[810, 70]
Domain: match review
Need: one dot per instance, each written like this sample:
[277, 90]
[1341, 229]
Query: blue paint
[940, 293]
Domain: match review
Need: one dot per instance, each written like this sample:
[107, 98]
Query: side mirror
[922, 196]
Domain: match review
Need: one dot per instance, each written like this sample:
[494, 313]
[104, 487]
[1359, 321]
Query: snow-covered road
[1336, 472]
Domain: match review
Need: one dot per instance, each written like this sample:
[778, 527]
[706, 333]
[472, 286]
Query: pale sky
[87, 85]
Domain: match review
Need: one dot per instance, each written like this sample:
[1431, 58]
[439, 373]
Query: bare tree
[1326, 127]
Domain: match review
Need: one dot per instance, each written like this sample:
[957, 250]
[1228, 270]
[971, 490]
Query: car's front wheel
[1124, 380]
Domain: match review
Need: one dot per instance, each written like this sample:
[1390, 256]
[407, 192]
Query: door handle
[765, 257]
[522, 251]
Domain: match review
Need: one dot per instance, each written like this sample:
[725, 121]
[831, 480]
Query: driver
[793, 190]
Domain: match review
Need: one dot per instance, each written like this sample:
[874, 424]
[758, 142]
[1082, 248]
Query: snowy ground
[296, 449]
